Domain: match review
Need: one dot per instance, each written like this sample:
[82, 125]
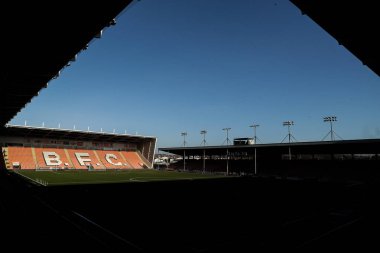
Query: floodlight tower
[204, 132]
[227, 139]
[330, 119]
[254, 126]
[184, 134]
[289, 135]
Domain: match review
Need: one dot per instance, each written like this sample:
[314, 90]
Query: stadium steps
[100, 161]
[145, 161]
[125, 160]
[133, 159]
[76, 164]
[102, 155]
[34, 156]
[68, 158]
[5, 161]
[23, 155]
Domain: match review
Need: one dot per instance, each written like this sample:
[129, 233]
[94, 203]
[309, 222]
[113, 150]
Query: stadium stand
[134, 159]
[83, 158]
[51, 158]
[341, 160]
[58, 158]
[112, 159]
[19, 158]
[44, 149]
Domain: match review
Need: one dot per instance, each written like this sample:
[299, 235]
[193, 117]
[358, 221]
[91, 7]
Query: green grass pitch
[51, 178]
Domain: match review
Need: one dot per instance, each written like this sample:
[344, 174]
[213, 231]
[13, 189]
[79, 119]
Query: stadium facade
[39, 148]
[343, 159]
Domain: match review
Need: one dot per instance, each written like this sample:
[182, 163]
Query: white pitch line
[108, 231]
[147, 179]
[31, 179]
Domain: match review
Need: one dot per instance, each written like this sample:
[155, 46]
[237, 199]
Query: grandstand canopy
[354, 24]
[39, 38]
[57, 133]
[366, 146]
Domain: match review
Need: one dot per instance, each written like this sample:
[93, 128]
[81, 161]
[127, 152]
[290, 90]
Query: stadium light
[330, 119]
[254, 126]
[289, 123]
[184, 134]
[204, 132]
[227, 129]
[227, 139]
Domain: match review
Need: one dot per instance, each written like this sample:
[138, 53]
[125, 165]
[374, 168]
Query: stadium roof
[354, 24]
[66, 134]
[39, 38]
[366, 146]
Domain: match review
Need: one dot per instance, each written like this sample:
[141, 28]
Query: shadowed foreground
[208, 215]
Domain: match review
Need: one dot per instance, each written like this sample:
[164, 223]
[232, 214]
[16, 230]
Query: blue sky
[171, 66]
